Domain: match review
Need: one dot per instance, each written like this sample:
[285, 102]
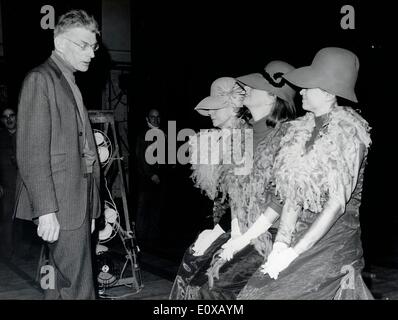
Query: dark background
[178, 50]
[26, 45]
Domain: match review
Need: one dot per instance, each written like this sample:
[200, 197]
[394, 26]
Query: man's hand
[92, 225]
[233, 246]
[155, 179]
[48, 228]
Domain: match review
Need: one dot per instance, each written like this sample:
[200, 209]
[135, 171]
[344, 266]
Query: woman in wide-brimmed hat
[254, 209]
[212, 160]
[318, 173]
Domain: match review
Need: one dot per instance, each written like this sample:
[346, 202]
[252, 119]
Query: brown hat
[271, 80]
[334, 70]
[224, 92]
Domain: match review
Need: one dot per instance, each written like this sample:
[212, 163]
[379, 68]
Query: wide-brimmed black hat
[271, 80]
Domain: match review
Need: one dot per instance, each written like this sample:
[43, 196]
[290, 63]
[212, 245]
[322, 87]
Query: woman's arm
[322, 224]
[278, 261]
[332, 210]
[287, 224]
[261, 225]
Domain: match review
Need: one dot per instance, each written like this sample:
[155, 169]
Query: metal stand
[127, 235]
[43, 260]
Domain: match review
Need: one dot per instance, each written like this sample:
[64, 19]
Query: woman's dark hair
[244, 114]
[281, 112]
[347, 103]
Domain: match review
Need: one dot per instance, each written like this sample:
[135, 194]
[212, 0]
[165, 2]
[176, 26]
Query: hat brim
[304, 77]
[257, 81]
[211, 103]
[309, 78]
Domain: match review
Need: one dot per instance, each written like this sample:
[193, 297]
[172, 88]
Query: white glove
[279, 262]
[205, 239]
[233, 246]
[276, 249]
[235, 230]
[236, 244]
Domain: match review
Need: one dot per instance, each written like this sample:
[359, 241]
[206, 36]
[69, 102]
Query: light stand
[126, 233]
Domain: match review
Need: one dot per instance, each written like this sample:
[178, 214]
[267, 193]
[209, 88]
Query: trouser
[6, 237]
[148, 216]
[7, 244]
[70, 256]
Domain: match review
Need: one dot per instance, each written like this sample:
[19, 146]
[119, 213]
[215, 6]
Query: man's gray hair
[74, 19]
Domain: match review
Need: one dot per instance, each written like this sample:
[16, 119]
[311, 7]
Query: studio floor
[18, 279]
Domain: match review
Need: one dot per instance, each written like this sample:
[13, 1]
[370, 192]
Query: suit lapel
[68, 95]
[65, 85]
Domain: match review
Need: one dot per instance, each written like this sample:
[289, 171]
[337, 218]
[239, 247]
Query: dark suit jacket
[50, 150]
[144, 170]
[8, 174]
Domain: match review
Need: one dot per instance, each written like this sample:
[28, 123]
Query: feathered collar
[307, 177]
[217, 152]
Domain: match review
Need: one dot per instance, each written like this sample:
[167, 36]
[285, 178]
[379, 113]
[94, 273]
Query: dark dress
[227, 278]
[191, 274]
[331, 269]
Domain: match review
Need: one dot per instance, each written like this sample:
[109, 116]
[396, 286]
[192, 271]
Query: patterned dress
[191, 274]
[337, 144]
[252, 197]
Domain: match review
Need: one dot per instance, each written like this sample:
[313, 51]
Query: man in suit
[150, 184]
[57, 157]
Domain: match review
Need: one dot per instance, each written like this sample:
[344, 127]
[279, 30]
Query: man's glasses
[85, 45]
[8, 116]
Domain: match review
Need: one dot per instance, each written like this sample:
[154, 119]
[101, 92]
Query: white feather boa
[210, 166]
[330, 168]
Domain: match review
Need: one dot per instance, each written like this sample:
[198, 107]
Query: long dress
[191, 274]
[335, 152]
[253, 196]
